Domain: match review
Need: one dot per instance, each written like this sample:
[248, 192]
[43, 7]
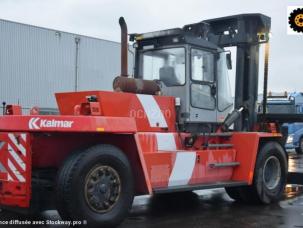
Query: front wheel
[95, 185]
[270, 177]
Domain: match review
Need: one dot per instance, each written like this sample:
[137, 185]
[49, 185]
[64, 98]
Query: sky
[99, 18]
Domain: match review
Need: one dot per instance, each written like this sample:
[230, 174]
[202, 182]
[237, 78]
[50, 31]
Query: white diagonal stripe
[166, 141]
[183, 169]
[16, 157]
[19, 146]
[15, 171]
[9, 177]
[153, 112]
[23, 136]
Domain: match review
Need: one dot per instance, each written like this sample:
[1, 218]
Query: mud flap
[15, 169]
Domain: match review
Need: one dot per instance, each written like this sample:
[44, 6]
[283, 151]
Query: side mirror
[228, 61]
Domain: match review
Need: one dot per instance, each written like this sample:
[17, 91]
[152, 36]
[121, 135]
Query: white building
[36, 62]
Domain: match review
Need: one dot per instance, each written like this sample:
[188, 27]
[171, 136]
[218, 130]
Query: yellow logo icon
[295, 20]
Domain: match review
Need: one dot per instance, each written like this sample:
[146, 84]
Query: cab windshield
[225, 99]
[167, 65]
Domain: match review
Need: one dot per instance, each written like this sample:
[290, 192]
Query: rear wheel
[95, 185]
[269, 177]
[299, 149]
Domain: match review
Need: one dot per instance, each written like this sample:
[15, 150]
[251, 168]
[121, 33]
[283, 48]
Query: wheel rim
[102, 188]
[272, 172]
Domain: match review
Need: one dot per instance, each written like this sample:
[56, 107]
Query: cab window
[202, 76]
[167, 65]
[202, 65]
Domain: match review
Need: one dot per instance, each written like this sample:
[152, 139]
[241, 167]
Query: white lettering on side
[37, 123]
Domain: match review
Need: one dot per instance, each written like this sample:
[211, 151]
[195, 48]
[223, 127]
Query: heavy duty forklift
[173, 127]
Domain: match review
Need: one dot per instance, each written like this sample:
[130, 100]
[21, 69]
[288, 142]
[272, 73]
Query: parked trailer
[287, 111]
[166, 130]
[288, 105]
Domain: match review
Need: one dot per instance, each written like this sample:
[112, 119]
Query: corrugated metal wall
[99, 63]
[36, 62]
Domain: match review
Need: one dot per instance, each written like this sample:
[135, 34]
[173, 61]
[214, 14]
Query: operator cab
[188, 67]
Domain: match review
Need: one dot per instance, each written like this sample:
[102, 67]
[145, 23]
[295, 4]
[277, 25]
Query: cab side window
[202, 76]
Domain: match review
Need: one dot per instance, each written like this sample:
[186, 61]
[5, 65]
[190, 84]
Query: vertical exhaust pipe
[124, 47]
[123, 83]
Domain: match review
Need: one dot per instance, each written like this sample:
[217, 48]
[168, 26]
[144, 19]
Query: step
[224, 164]
[199, 187]
[219, 134]
[225, 145]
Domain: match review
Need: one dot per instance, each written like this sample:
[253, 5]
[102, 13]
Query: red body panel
[162, 170]
[142, 126]
[117, 104]
[246, 144]
[15, 169]
[68, 124]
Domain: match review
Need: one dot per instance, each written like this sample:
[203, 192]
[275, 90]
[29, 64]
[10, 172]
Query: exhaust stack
[124, 47]
[123, 83]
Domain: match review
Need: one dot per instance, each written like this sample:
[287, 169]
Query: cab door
[202, 86]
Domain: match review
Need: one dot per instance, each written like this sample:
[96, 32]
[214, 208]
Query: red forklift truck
[173, 127]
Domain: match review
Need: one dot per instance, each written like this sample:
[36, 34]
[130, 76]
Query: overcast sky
[99, 18]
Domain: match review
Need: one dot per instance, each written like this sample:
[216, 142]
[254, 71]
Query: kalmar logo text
[37, 123]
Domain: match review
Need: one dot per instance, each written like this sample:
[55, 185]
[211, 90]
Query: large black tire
[299, 149]
[270, 177]
[101, 173]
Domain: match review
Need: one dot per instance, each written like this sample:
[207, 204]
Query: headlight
[290, 139]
